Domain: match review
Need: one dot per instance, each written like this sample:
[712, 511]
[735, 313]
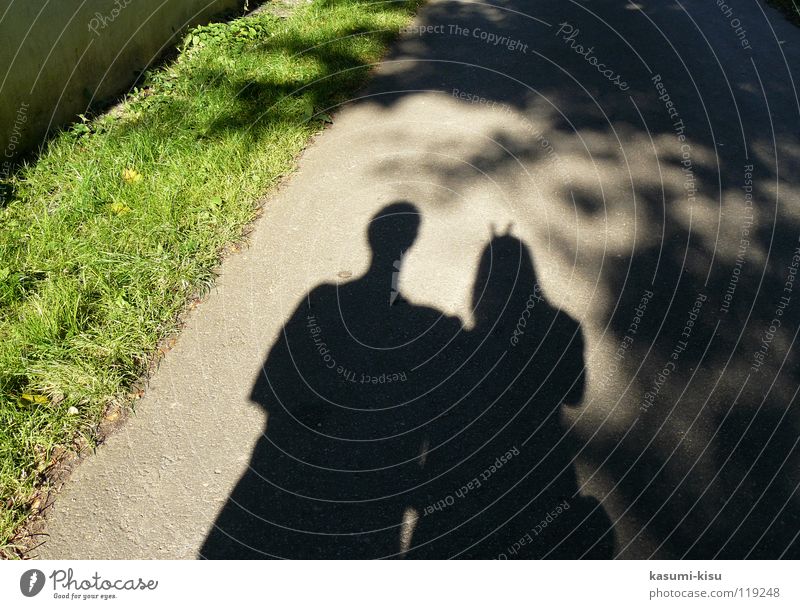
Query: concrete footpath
[648, 157]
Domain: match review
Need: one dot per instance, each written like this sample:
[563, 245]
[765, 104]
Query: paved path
[621, 142]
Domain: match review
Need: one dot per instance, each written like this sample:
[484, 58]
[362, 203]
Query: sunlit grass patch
[123, 217]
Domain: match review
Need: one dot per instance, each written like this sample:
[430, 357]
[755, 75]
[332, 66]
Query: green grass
[122, 219]
[790, 8]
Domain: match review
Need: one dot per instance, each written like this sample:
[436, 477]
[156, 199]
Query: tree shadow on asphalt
[700, 437]
[699, 462]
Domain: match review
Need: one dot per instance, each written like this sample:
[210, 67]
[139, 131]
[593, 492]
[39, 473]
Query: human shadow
[393, 432]
[506, 483]
[348, 387]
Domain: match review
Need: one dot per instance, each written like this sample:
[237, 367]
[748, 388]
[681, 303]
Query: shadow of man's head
[392, 231]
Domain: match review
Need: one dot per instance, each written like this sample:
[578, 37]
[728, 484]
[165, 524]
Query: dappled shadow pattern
[694, 433]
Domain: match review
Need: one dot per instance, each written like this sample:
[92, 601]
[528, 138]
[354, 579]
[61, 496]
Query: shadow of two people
[394, 432]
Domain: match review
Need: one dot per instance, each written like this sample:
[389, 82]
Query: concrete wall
[59, 56]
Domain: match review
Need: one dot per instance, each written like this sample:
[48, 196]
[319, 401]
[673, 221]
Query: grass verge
[123, 217]
[790, 8]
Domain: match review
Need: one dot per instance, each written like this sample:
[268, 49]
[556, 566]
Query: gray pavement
[647, 154]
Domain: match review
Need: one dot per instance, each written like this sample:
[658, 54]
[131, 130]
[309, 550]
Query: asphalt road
[551, 253]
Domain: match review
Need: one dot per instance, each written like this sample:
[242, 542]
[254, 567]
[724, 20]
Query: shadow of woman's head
[505, 273]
